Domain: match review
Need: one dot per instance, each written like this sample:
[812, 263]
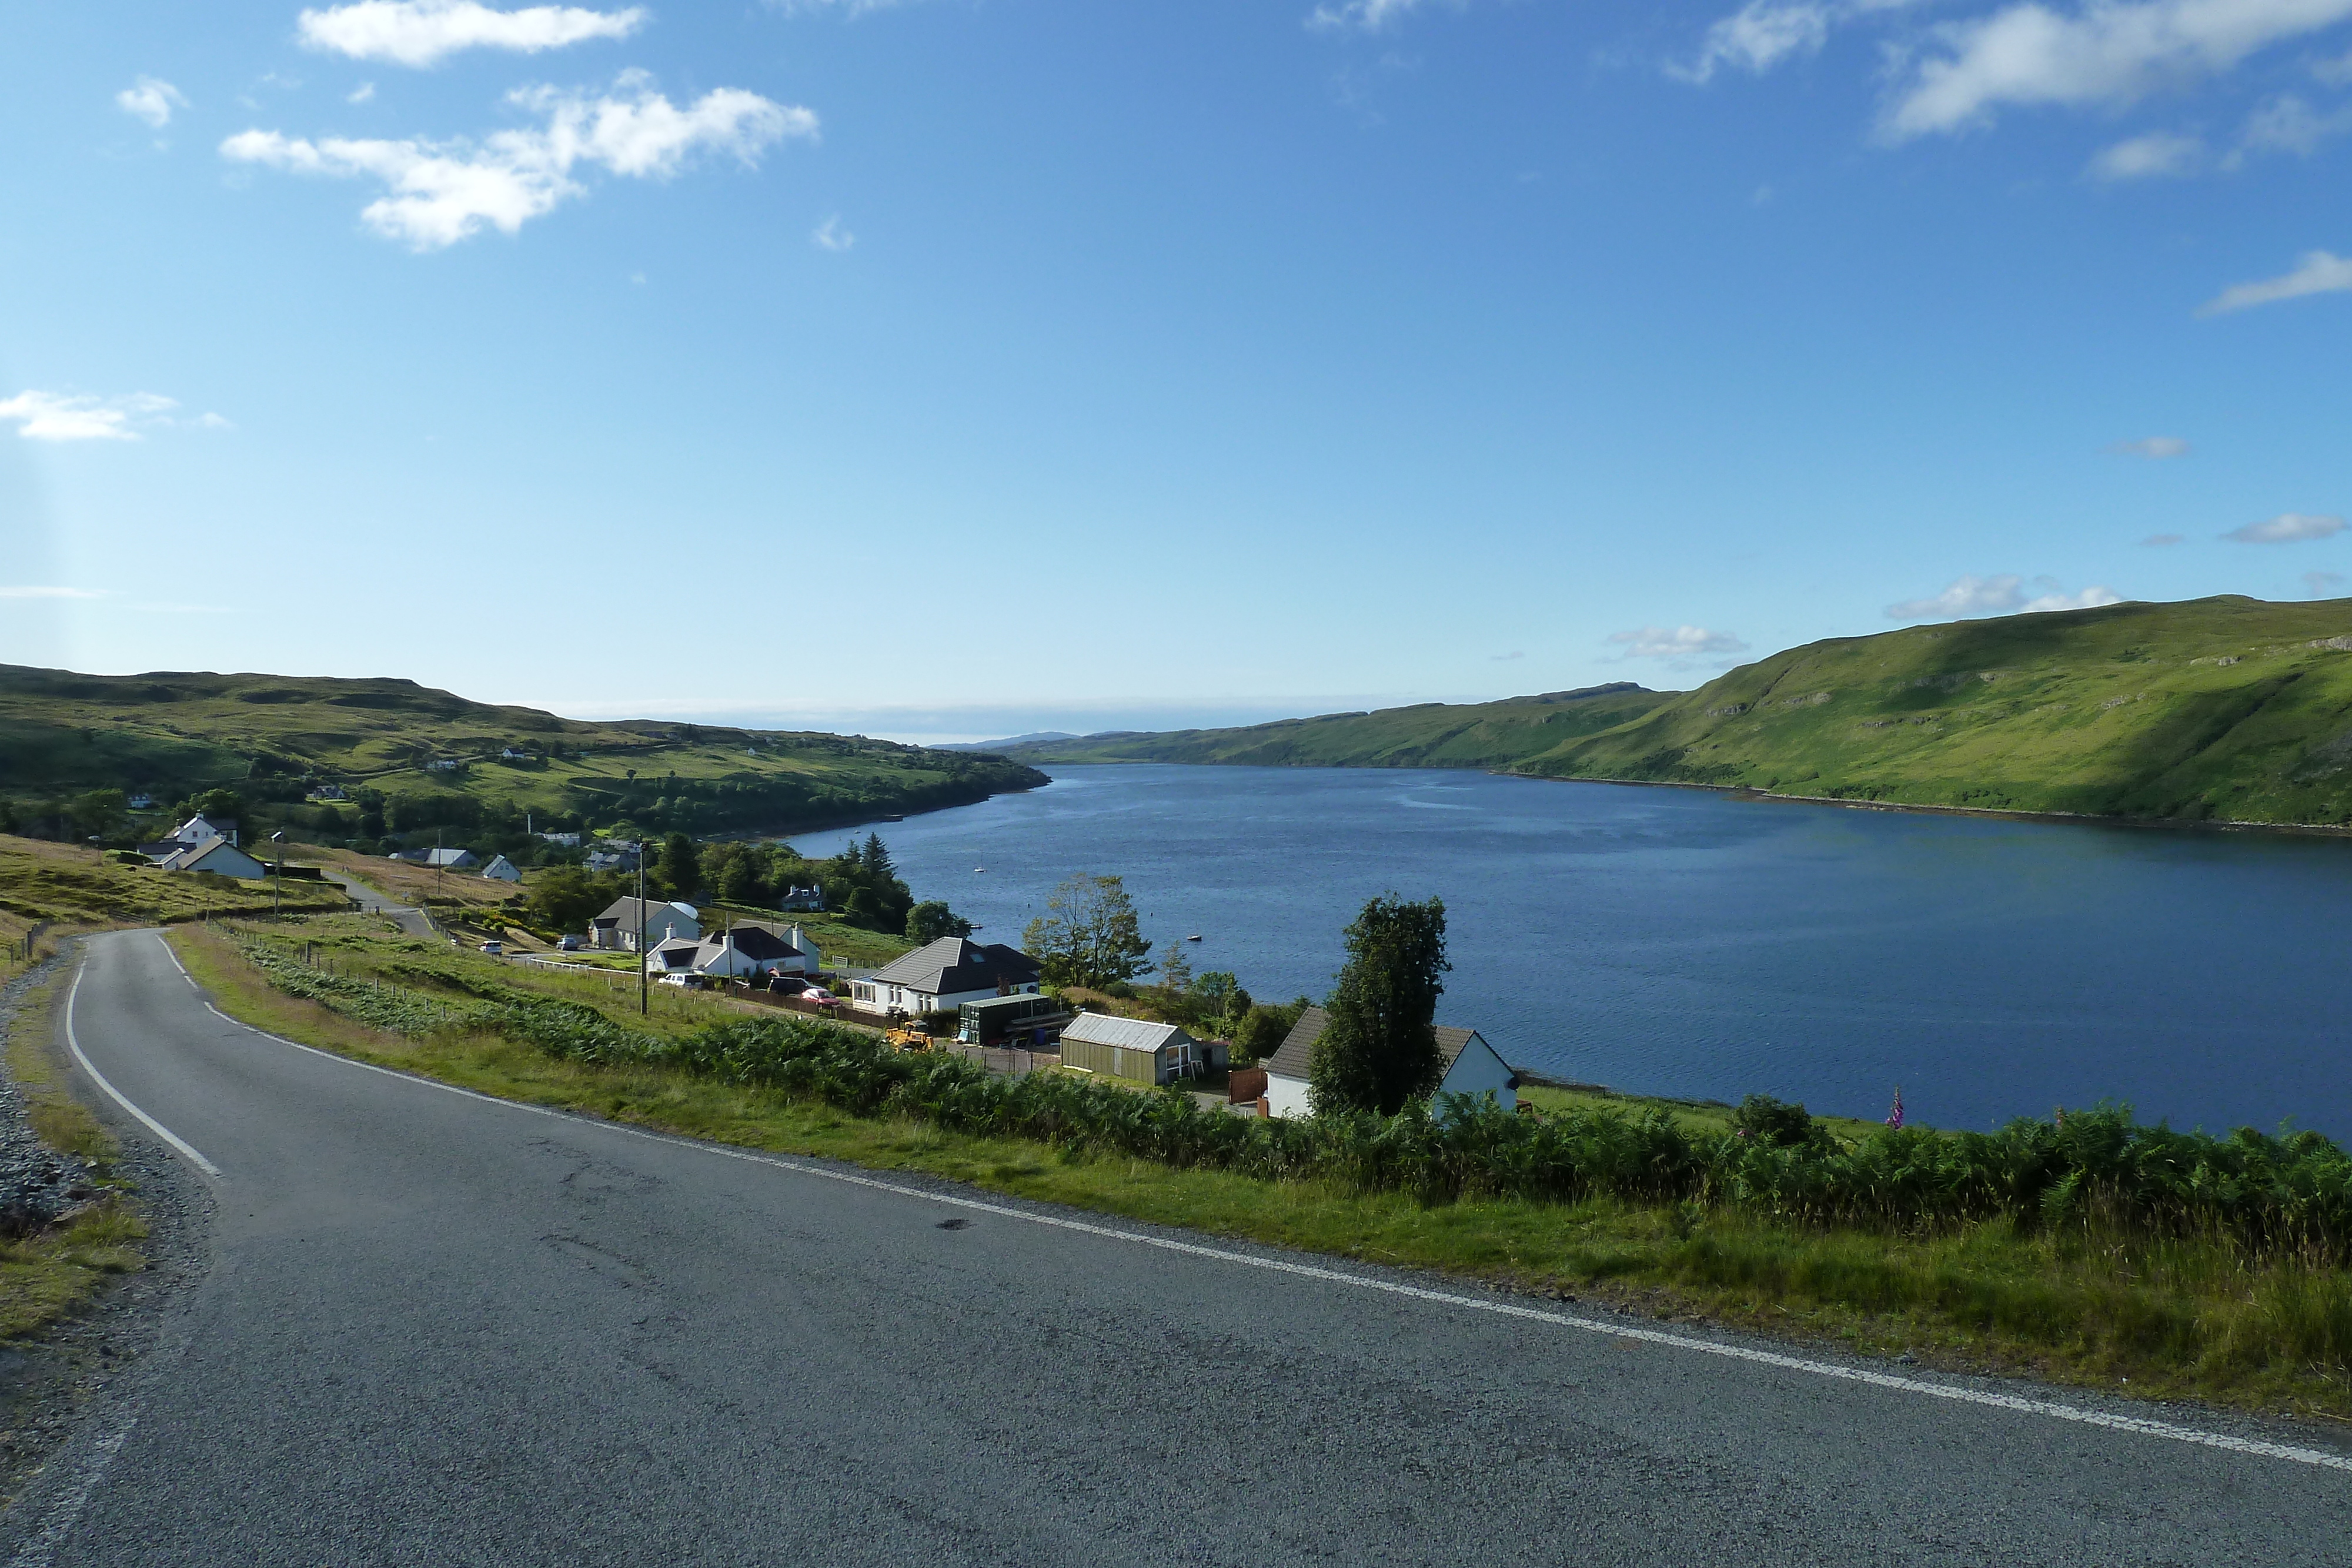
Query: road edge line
[73, 1043]
[2049, 1409]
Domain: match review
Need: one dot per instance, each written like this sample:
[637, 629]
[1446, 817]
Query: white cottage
[1472, 1066]
[501, 869]
[947, 973]
[616, 928]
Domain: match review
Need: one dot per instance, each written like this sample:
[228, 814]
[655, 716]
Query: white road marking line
[2049, 1409]
[74, 1044]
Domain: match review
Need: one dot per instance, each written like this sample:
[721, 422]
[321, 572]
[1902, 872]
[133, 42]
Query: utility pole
[278, 891]
[644, 1004]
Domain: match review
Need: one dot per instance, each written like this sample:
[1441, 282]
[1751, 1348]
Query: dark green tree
[931, 919]
[863, 909]
[217, 803]
[681, 866]
[1380, 1048]
[876, 859]
[1088, 934]
[565, 898]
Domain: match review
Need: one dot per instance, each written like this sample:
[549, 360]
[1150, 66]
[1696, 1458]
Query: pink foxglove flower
[1895, 1117]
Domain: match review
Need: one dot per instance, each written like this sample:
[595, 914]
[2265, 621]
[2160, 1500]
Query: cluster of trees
[1090, 938]
[862, 885]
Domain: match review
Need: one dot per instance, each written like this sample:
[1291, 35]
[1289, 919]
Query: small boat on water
[1194, 938]
[979, 871]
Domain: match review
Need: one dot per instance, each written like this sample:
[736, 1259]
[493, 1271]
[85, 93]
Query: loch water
[1688, 942]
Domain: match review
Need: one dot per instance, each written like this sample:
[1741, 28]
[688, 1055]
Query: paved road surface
[439, 1330]
[408, 916]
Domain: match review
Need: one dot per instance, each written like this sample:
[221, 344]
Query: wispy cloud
[2157, 541]
[2321, 583]
[440, 192]
[75, 417]
[2156, 447]
[41, 592]
[1679, 647]
[361, 94]
[2317, 272]
[2159, 154]
[2287, 528]
[2106, 55]
[1757, 36]
[151, 101]
[831, 235]
[426, 32]
[2002, 593]
[1361, 15]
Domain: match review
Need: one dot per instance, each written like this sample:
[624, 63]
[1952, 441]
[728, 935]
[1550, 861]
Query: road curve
[443, 1329]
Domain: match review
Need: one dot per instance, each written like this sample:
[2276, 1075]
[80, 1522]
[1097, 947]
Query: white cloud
[831, 235]
[426, 32]
[2287, 124]
[2287, 528]
[1757, 36]
[2106, 55]
[2319, 582]
[2157, 447]
[2000, 594]
[2316, 273]
[440, 192]
[151, 101]
[361, 93]
[1357, 15]
[1682, 647]
[72, 416]
[29, 592]
[2156, 155]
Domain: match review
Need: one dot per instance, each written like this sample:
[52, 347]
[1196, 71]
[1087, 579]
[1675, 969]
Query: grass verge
[2165, 1316]
[46, 1276]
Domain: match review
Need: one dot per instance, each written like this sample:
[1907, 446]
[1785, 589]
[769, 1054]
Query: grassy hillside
[2223, 707]
[271, 737]
[1427, 735]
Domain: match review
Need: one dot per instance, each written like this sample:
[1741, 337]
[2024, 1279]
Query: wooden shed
[1131, 1049]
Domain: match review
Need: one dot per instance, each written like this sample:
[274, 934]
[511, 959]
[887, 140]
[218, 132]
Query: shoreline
[1750, 792]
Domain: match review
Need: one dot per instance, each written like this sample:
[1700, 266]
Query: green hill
[422, 758]
[2224, 708]
[1427, 735]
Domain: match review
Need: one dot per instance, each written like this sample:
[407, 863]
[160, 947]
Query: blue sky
[954, 367]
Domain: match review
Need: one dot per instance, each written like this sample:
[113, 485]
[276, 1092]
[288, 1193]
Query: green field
[2225, 708]
[271, 738]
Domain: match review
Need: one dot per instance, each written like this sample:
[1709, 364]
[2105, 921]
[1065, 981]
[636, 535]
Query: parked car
[821, 997]
[494, 949]
[684, 981]
[568, 943]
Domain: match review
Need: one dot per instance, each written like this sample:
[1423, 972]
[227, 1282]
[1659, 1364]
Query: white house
[217, 856]
[199, 828]
[948, 973]
[142, 802]
[562, 841]
[810, 898]
[1472, 1066]
[616, 928]
[513, 754]
[741, 951]
[501, 869]
[612, 854]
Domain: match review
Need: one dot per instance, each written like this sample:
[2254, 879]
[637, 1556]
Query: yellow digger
[909, 1035]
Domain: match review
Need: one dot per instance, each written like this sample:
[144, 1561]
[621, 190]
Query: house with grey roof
[1472, 1066]
[616, 929]
[214, 854]
[947, 973]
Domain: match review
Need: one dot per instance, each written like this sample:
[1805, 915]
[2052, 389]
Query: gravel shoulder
[66, 1387]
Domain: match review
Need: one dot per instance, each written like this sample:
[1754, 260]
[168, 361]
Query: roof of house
[1289, 1058]
[1132, 1034]
[193, 857]
[955, 964]
[754, 942]
[624, 912]
[678, 953]
[448, 857]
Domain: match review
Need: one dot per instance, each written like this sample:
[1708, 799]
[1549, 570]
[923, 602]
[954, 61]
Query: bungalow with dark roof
[947, 973]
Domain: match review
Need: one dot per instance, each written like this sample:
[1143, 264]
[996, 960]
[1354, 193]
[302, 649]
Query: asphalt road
[440, 1330]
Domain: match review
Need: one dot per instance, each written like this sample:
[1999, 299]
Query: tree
[1380, 1048]
[1175, 969]
[864, 909]
[217, 803]
[876, 859]
[931, 919]
[681, 866]
[1222, 1002]
[1087, 936]
[1262, 1031]
[566, 898]
[96, 813]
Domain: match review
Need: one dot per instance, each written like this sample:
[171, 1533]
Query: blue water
[1683, 943]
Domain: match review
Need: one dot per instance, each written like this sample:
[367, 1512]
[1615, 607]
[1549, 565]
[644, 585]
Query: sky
[953, 368]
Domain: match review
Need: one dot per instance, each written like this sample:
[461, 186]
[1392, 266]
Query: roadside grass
[2083, 1302]
[69, 884]
[1696, 1116]
[49, 1274]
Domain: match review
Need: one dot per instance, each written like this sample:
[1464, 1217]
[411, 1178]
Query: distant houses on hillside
[746, 951]
[1472, 1066]
[945, 974]
[616, 929]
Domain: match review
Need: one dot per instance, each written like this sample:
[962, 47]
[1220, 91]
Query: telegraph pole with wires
[277, 889]
[644, 1004]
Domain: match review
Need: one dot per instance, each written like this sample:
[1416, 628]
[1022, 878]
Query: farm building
[1131, 1049]
[1472, 1066]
